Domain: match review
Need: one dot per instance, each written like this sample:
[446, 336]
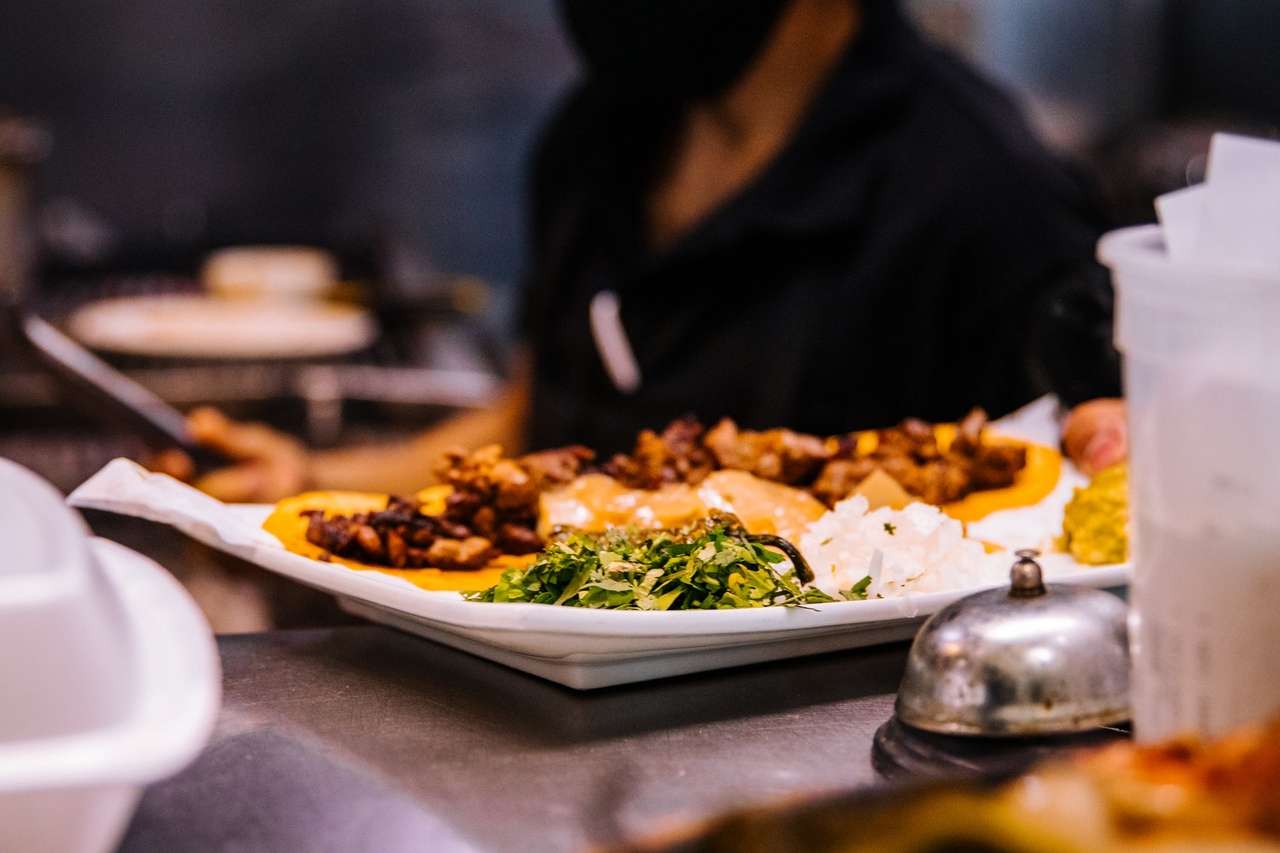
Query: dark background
[180, 125]
[397, 132]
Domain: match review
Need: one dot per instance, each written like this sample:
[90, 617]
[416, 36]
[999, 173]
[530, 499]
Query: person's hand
[269, 464]
[1095, 435]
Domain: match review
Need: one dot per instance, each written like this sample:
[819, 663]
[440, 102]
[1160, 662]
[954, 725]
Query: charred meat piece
[329, 535]
[730, 446]
[904, 469]
[997, 467]
[968, 440]
[460, 555]
[840, 477]
[677, 455]
[941, 482]
[513, 488]
[397, 549]
[471, 472]
[912, 438]
[779, 455]
[495, 497]
[518, 539]
[463, 504]
[911, 455]
[917, 431]
[550, 468]
[485, 476]
[520, 482]
[370, 543]
[845, 446]
[485, 521]
[402, 537]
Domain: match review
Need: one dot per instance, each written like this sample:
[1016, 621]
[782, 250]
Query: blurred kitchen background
[394, 134]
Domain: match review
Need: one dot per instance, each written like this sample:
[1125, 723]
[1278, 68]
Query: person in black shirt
[789, 212]
[898, 255]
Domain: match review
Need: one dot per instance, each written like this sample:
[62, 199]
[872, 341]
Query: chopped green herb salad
[710, 566]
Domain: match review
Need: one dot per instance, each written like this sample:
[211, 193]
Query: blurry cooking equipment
[1032, 659]
[403, 382]
[347, 377]
[117, 685]
[263, 302]
[407, 376]
[96, 386]
[22, 145]
[280, 272]
[209, 327]
[88, 380]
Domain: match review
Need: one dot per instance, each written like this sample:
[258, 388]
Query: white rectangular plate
[576, 647]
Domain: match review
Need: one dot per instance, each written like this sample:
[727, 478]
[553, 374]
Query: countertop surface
[359, 738]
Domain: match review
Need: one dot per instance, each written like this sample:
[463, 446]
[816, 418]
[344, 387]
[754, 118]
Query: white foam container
[1201, 342]
[109, 675]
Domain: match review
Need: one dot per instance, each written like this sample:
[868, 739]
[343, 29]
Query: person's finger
[1076, 430]
[1084, 421]
[174, 462]
[210, 428]
[255, 482]
[1095, 435]
[286, 476]
[237, 484]
[273, 465]
[207, 426]
[1106, 448]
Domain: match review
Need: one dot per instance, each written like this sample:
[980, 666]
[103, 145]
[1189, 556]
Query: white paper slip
[1181, 213]
[126, 488]
[1241, 215]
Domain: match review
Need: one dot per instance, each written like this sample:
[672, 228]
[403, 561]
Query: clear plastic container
[108, 672]
[1202, 380]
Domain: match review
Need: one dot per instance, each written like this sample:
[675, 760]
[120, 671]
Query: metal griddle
[87, 380]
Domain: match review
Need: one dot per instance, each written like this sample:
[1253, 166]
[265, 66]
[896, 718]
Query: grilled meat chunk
[496, 497]
[493, 506]
[399, 536]
[675, 456]
[777, 454]
[910, 453]
[518, 539]
[840, 477]
[491, 510]
[486, 477]
[551, 468]
[995, 467]
[460, 554]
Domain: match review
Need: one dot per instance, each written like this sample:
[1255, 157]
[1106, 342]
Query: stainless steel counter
[362, 739]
